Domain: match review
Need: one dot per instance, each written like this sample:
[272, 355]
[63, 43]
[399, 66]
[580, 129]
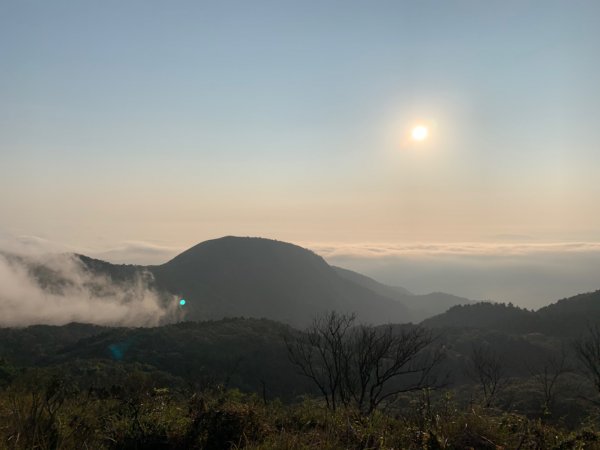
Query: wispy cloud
[138, 252]
[126, 252]
[32, 245]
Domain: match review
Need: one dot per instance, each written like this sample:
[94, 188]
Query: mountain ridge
[256, 277]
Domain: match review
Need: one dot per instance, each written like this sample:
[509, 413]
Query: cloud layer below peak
[530, 274]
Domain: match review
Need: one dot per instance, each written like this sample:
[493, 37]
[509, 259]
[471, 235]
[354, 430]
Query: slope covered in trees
[178, 386]
[568, 317]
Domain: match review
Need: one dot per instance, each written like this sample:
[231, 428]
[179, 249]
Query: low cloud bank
[58, 289]
[475, 249]
[528, 274]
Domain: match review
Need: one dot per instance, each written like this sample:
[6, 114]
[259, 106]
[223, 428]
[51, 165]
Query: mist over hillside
[60, 288]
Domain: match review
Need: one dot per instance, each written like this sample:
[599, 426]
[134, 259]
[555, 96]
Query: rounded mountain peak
[248, 250]
[257, 277]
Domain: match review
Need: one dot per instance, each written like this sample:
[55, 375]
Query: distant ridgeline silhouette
[256, 277]
[566, 317]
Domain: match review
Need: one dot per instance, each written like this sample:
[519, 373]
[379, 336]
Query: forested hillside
[231, 383]
[568, 317]
[481, 375]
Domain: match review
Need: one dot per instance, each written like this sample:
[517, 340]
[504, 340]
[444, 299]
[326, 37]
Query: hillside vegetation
[565, 318]
[230, 384]
[501, 377]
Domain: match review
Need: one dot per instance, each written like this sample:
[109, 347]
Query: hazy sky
[174, 122]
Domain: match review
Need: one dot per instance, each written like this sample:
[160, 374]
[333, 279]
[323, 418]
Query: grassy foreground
[52, 414]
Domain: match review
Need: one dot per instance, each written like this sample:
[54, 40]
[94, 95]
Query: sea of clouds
[530, 274]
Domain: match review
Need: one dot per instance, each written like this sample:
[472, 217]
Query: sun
[419, 133]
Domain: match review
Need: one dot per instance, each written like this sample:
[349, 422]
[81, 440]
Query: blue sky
[174, 122]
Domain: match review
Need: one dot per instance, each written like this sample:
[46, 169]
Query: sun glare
[419, 133]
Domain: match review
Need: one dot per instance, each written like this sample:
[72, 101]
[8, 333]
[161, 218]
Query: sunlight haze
[146, 122]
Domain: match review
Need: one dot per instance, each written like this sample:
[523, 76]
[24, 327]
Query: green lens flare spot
[182, 302]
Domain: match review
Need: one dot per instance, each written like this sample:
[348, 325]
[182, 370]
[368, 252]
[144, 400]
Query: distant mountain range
[420, 306]
[263, 278]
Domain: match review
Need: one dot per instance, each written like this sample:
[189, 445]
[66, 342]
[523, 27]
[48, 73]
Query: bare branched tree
[587, 350]
[363, 366]
[319, 353]
[384, 362]
[547, 376]
[486, 368]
